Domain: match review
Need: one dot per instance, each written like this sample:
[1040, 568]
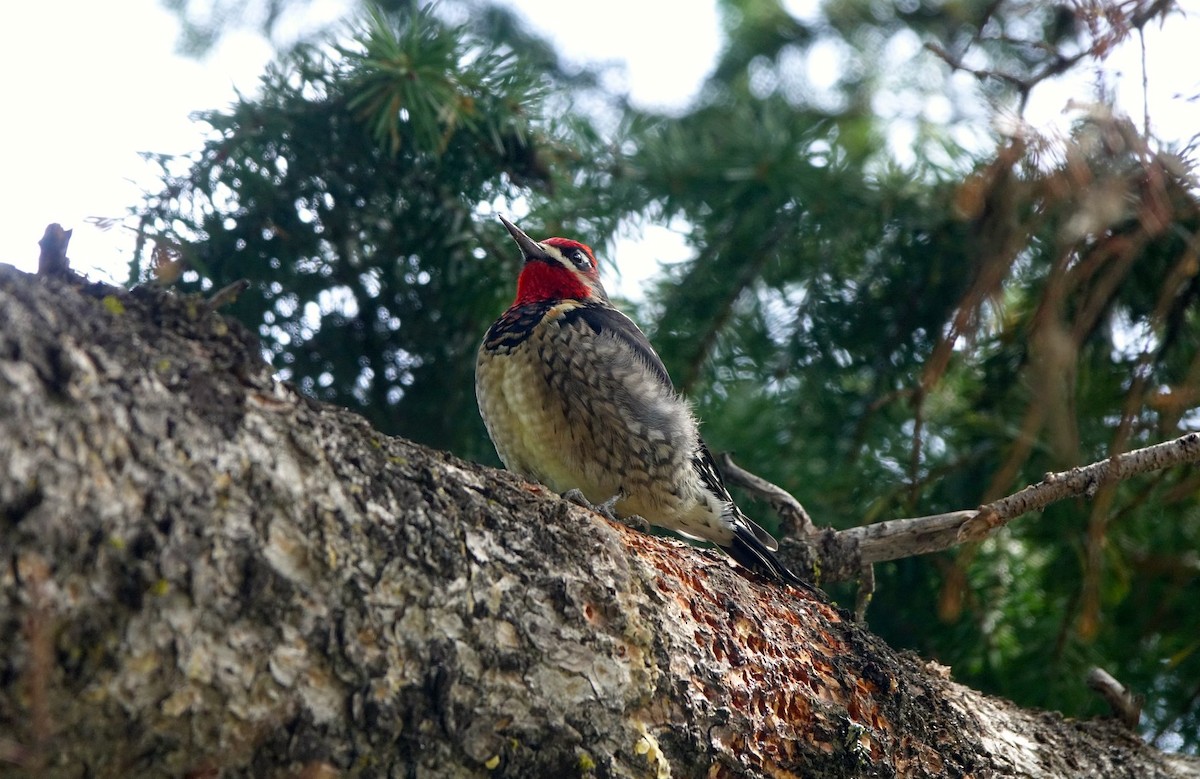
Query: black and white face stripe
[572, 259]
[573, 254]
[579, 258]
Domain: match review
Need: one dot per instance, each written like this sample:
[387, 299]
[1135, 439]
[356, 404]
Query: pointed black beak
[529, 247]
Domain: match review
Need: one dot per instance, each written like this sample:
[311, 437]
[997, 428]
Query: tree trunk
[206, 573]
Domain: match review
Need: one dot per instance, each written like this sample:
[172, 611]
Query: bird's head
[555, 269]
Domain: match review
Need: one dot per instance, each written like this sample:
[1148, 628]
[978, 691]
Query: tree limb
[206, 573]
[1125, 705]
[841, 555]
[1081, 482]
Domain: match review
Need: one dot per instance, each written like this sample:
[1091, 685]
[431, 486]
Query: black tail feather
[753, 554]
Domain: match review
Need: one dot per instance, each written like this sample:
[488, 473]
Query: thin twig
[1103, 41]
[1145, 84]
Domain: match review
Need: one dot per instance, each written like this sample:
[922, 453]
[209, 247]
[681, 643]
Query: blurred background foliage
[900, 300]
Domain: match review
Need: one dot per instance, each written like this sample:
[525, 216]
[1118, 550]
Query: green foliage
[884, 332]
[348, 194]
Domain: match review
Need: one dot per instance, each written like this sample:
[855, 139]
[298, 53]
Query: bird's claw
[636, 522]
[576, 497]
[607, 509]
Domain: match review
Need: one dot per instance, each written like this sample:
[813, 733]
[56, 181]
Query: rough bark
[203, 572]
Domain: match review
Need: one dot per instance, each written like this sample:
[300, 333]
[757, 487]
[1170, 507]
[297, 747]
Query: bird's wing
[751, 545]
[604, 319]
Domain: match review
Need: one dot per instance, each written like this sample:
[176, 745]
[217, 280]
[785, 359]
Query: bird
[574, 396]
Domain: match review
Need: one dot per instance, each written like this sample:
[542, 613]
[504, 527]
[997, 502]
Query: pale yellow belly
[528, 424]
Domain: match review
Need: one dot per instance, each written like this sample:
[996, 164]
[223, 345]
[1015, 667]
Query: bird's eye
[580, 258]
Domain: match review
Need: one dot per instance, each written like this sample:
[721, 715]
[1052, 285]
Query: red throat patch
[542, 281]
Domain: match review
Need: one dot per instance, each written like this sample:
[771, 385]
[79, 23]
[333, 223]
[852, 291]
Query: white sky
[89, 85]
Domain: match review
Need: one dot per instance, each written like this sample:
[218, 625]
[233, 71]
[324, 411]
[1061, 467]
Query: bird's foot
[634, 521]
[607, 509]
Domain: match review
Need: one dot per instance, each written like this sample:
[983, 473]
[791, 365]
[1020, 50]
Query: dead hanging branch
[841, 555]
[1098, 30]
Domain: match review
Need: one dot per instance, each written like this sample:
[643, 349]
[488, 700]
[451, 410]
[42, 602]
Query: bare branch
[794, 520]
[1124, 704]
[828, 555]
[1083, 481]
[227, 294]
[956, 63]
[899, 538]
